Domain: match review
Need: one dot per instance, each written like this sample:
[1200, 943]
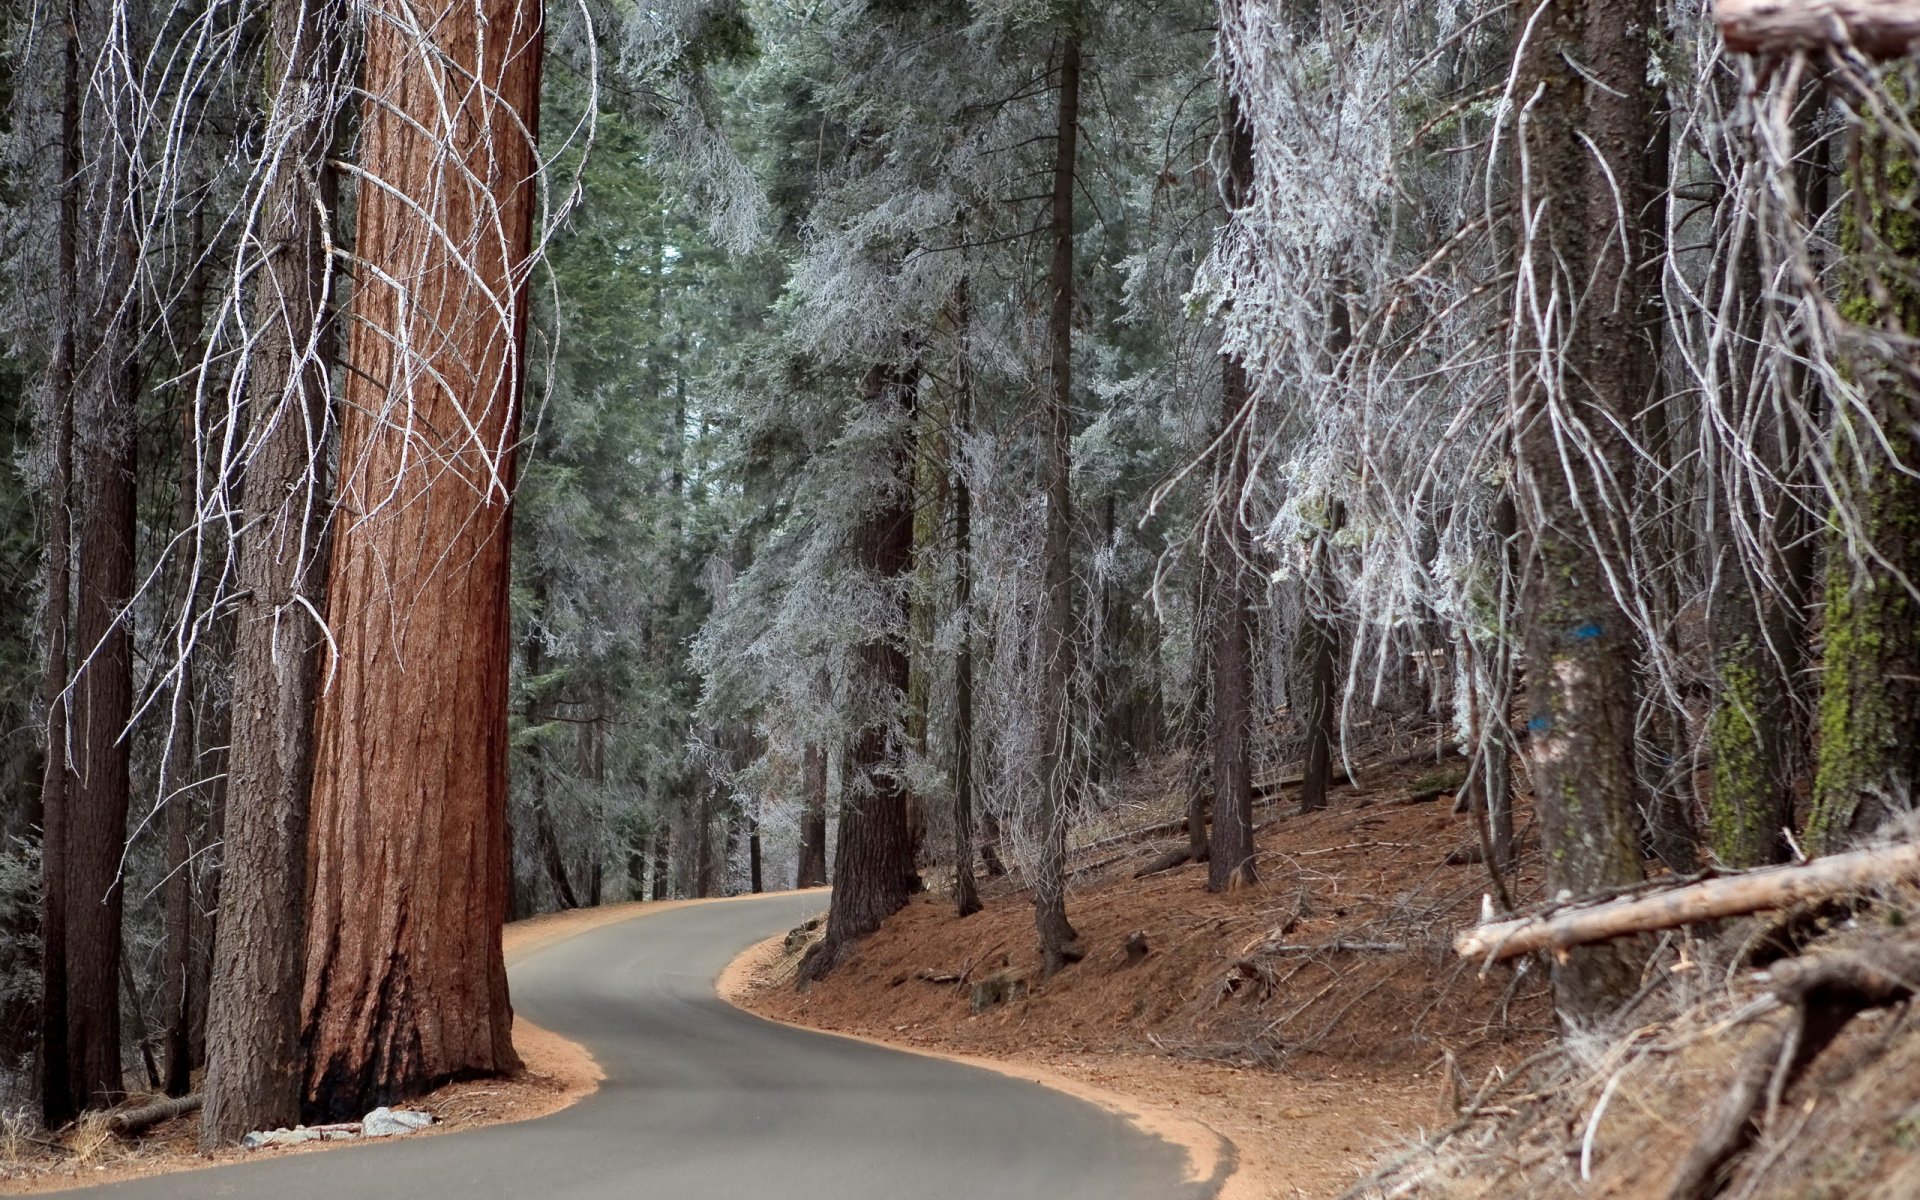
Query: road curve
[704, 1102]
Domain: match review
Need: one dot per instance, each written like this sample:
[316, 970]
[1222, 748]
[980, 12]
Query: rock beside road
[381, 1122]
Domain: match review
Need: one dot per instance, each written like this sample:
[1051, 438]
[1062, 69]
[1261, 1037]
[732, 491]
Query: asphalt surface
[704, 1102]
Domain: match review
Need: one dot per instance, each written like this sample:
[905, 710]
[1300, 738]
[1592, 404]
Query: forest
[473, 461]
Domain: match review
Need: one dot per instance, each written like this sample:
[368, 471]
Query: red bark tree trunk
[405, 982]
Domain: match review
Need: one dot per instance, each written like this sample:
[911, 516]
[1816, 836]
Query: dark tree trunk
[662, 866]
[1319, 654]
[1584, 136]
[1055, 649]
[405, 982]
[254, 1076]
[106, 390]
[1230, 858]
[873, 855]
[1666, 772]
[755, 883]
[183, 785]
[1496, 744]
[703, 842]
[813, 822]
[1751, 624]
[1317, 637]
[58, 1103]
[966, 894]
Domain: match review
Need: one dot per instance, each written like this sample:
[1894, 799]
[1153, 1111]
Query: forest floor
[1320, 1023]
[1311, 1019]
[555, 1074]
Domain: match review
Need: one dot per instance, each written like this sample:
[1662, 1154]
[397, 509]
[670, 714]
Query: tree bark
[1583, 134]
[1055, 650]
[106, 390]
[405, 982]
[1869, 715]
[1753, 624]
[1319, 653]
[662, 865]
[755, 882]
[873, 854]
[1876, 28]
[253, 1018]
[1708, 900]
[185, 742]
[1230, 861]
[58, 1104]
[812, 870]
[966, 894]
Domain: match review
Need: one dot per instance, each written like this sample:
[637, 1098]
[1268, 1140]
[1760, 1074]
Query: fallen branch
[1336, 946]
[1826, 993]
[133, 1120]
[1708, 900]
[1876, 28]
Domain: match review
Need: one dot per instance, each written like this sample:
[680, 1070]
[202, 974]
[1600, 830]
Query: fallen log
[133, 1120]
[1876, 28]
[1708, 900]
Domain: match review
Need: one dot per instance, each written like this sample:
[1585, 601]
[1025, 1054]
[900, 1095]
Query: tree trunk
[58, 1104]
[755, 883]
[1055, 656]
[1319, 653]
[185, 743]
[703, 842]
[1230, 850]
[254, 1075]
[106, 391]
[1869, 758]
[662, 872]
[1751, 616]
[405, 982]
[813, 822]
[1496, 742]
[873, 855]
[1583, 134]
[966, 895]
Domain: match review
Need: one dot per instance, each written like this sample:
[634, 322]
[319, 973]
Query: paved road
[703, 1102]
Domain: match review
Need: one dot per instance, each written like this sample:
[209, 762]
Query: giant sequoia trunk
[1055, 649]
[405, 983]
[253, 1017]
[1585, 121]
[873, 853]
[1230, 861]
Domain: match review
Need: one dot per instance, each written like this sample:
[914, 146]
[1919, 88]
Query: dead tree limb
[134, 1120]
[1708, 900]
[1875, 28]
[1825, 993]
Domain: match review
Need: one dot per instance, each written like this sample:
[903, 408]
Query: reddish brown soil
[1247, 1013]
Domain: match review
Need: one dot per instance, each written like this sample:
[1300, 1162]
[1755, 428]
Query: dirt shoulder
[1313, 1021]
[1258, 1136]
[556, 1073]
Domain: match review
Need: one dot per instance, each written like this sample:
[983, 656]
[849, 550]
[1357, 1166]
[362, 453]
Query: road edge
[1213, 1159]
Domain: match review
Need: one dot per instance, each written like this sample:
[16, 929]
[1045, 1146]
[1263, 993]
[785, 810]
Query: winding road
[704, 1102]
